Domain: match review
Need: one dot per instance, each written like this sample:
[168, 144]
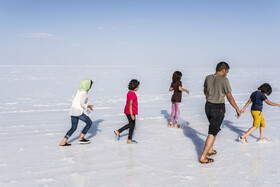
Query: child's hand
[90, 107]
[238, 113]
[133, 117]
[188, 91]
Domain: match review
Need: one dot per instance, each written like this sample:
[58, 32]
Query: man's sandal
[213, 153]
[209, 160]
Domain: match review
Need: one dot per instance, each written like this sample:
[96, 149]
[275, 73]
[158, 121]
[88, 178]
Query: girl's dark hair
[133, 84]
[265, 88]
[176, 76]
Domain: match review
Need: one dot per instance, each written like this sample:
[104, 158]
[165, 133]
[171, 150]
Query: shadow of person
[190, 133]
[237, 130]
[193, 134]
[167, 116]
[92, 130]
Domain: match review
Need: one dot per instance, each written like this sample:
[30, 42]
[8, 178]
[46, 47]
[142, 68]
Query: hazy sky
[135, 32]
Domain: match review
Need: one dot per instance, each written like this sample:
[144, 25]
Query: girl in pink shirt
[130, 110]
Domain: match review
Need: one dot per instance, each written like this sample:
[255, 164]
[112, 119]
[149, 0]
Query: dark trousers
[75, 120]
[129, 126]
[215, 114]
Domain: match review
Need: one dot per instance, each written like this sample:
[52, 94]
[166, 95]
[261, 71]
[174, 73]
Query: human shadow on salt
[237, 130]
[167, 116]
[92, 130]
[195, 137]
[189, 132]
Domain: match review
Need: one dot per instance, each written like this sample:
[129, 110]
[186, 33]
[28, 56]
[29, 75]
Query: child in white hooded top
[79, 111]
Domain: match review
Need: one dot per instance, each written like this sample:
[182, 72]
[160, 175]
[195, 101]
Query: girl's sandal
[133, 142]
[170, 124]
[117, 136]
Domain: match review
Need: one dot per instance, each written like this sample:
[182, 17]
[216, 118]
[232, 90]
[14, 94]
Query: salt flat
[34, 106]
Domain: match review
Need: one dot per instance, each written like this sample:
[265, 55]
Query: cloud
[100, 28]
[42, 35]
[114, 28]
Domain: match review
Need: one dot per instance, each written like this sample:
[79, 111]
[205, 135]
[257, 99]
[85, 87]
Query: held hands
[243, 110]
[238, 113]
[90, 107]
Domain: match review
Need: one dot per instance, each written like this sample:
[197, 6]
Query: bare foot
[117, 133]
[63, 142]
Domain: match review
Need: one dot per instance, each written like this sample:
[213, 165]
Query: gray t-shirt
[217, 88]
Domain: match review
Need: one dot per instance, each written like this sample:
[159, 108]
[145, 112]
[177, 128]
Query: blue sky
[140, 32]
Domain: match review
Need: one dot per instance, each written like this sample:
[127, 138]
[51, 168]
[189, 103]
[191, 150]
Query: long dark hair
[176, 76]
[133, 84]
[265, 88]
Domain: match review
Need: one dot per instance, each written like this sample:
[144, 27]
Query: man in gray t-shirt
[216, 87]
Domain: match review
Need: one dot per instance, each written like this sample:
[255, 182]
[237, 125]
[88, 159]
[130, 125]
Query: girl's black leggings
[129, 126]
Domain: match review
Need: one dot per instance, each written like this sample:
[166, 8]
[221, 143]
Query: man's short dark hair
[221, 66]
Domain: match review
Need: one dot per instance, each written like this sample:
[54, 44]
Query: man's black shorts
[215, 114]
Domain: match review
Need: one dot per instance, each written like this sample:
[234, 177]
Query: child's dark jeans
[75, 120]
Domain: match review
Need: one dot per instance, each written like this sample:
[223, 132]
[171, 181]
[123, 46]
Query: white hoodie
[79, 104]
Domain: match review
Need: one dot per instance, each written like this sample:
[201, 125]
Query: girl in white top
[79, 111]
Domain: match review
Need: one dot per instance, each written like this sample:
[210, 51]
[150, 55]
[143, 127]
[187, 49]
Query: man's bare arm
[233, 104]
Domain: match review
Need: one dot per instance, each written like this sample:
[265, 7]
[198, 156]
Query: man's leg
[211, 150]
[215, 114]
[208, 145]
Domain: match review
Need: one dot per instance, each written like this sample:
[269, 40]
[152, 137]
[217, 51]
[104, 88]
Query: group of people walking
[216, 88]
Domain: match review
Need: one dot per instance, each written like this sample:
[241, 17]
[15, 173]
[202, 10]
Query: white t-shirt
[79, 104]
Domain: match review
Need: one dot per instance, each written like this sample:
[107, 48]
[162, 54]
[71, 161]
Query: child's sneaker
[243, 140]
[84, 141]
